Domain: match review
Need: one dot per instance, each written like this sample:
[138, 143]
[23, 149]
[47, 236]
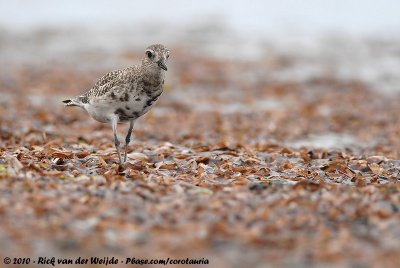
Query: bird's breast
[137, 105]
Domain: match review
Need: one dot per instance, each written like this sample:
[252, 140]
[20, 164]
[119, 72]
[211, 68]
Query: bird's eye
[149, 54]
[167, 56]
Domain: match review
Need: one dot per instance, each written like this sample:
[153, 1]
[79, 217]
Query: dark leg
[128, 138]
[114, 122]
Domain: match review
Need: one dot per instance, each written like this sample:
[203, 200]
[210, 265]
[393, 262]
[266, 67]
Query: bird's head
[156, 56]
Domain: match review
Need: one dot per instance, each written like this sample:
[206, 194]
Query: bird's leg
[128, 138]
[114, 122]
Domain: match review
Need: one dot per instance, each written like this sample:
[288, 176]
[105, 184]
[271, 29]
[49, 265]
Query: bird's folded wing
[104, 84]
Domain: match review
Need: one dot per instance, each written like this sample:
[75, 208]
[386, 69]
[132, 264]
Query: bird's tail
[72, 102]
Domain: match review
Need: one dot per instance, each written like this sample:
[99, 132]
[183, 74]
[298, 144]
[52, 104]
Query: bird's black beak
[162, 65]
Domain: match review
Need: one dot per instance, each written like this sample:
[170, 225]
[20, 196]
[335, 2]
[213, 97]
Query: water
[256, 17]
[326, 141]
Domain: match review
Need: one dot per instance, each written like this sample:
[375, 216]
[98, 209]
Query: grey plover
[125, 95]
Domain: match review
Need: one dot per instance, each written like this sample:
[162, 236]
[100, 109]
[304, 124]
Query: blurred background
[229, 56]
[264, 92]
[47, 29]
[258, 57]
[262, 18]
[94, 33]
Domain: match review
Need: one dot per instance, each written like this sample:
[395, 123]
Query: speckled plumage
[125, 95]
